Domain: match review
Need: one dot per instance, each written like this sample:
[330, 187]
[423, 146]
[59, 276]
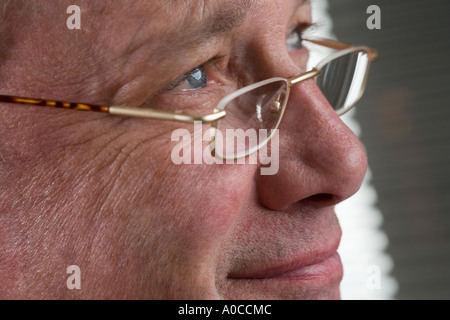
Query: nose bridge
[265, 55]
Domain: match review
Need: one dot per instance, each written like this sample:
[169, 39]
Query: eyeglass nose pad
[275, 106]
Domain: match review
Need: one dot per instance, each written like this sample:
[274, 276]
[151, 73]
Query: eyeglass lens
[260, 108]
[341, 81]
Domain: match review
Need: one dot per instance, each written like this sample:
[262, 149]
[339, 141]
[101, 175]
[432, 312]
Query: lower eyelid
[195, 102]
[192, 93]
[211, 87]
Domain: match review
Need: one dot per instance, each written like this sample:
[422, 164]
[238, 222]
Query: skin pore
[101, 192]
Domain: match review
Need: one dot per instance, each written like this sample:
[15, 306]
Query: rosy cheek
[216, 198]
[224, 195]
[193, 205]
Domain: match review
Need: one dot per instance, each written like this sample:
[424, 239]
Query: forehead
[216, 13]
[202, 18]
[219, 14]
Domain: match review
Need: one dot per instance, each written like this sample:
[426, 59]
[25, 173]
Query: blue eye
[196, 79]
[295, 40]
[193, 80]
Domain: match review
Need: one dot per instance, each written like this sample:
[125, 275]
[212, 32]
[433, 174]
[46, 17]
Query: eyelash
[177, 82]
[213, 65]
[296, 35]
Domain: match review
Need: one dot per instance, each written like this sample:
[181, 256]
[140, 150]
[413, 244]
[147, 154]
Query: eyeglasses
[342, 78]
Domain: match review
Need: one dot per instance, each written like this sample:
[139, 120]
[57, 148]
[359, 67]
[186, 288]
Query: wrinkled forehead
[212, 16]
[161, 17]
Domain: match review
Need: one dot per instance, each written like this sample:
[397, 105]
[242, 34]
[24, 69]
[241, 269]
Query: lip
[329, 267]
[323, 267]
[299, 265]
[322, 263]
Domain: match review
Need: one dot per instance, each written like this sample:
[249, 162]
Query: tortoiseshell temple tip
[54, 104]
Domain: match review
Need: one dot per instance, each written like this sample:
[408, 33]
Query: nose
[321, 161]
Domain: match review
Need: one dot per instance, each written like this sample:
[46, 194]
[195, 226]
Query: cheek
[200, 204]
[186, 210]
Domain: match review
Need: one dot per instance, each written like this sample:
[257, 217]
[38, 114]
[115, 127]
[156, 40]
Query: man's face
[102, 192]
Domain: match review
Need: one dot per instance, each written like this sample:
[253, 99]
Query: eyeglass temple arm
[304, 76]
[118, 110]
[337, 45]
[178, 116]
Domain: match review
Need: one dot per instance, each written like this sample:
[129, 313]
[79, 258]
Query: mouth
[305, 276]
[295, 257]
[323, 267]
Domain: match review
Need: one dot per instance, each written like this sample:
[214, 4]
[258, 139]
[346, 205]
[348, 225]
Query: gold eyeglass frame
[218, 113]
